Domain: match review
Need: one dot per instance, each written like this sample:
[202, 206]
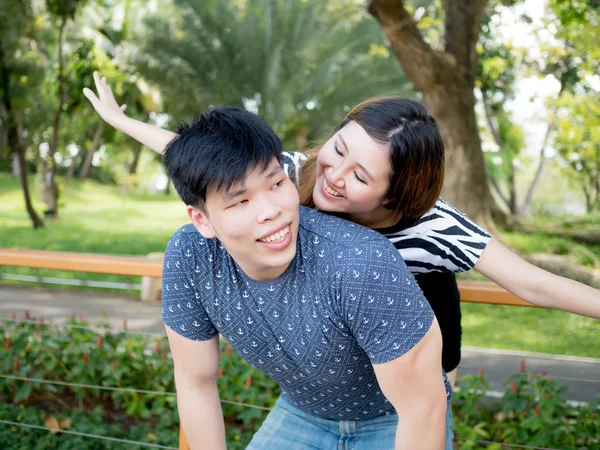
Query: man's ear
[201, 222]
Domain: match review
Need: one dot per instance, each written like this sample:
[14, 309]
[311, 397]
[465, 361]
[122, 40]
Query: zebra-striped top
[443, 240]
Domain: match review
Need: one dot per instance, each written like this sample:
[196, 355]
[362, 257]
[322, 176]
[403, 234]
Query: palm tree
[298, 64]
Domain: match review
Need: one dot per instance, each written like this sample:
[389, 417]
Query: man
[323, 306]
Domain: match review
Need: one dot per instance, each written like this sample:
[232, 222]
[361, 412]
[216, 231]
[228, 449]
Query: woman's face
[353, 172]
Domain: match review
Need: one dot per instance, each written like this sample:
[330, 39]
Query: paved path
[582, 375]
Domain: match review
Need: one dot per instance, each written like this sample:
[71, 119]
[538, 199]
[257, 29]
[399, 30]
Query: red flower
[125, 324]
[522, 367]
[221, 371]
[514, 387]
[85, 358]
[248, 382]
[41, 320]
[537, 410]
[480, 372]
[99, 341]
[157, 347]
[14, 316]
[228, 350]
[80, 318]
[8, 342]
[16, 363]
[72, 316]
[27, 314]
[544, 373]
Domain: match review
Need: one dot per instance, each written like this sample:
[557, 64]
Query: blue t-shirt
[346, 301]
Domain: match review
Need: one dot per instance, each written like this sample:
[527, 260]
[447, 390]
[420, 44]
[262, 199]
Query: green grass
[99, 219]
[94, 218]
[529, 329]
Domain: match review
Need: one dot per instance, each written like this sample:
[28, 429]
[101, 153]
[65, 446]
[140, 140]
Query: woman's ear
[200, 220]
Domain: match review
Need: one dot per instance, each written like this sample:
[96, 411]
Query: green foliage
[93, 422]
[578, 142]
[114, 358]
[533, 411]
[298, 64]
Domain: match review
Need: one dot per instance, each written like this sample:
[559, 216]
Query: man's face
[256, 221]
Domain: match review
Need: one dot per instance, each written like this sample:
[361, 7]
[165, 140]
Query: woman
[383, 168]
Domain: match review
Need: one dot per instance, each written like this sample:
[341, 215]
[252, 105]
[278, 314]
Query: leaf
[23, 392]
[65, 423]
[52, 424]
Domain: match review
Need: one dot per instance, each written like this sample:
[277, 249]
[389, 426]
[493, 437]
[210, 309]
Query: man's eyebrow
[275, 171]
[359, 165]
[230, 195]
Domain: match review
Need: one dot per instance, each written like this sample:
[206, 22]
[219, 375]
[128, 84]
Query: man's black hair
[219, 148]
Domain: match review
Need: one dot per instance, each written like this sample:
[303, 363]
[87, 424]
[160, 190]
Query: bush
[532, 412]
[73, 353]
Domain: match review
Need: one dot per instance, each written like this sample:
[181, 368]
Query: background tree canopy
[302, 65]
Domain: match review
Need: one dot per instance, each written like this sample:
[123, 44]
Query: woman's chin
[323, 204]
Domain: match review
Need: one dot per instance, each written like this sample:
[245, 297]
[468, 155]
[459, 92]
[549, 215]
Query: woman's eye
[359, 178]
[336, 150]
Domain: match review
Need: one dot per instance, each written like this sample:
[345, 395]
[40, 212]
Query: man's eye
[337, 150]
[359, 178]
[243, 202]
[278, 184]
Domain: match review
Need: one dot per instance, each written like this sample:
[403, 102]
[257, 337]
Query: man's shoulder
[187, 241]
[340, 231]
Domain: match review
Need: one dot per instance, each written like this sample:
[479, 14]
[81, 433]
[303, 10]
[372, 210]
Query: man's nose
[268, 209]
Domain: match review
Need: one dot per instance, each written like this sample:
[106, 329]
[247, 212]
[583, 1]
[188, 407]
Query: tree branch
[489, 115]
[422, 64]
[538, 173]
[500, 194]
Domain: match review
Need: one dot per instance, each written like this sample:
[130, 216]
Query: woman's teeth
[330, 190]
[277, 237]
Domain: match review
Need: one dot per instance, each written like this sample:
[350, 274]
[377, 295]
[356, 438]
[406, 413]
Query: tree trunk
[16, 167]
[50, 186]
[15, 142]
[466, 183]
[137, 150]
[71, 170]
[87, 162]
[447, 81]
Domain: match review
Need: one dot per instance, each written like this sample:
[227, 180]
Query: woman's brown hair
[416, 154]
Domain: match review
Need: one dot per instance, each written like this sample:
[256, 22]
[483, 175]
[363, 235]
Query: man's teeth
[277, 237]
[331, 191]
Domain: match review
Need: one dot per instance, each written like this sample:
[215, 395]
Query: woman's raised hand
[105, 104]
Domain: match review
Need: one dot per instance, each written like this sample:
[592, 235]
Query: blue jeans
[288, 428]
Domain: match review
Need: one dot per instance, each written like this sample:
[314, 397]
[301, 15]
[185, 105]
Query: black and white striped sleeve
[291, 162]
[443, 240]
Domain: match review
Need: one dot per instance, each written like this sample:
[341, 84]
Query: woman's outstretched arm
[536, 285]
[109, 110]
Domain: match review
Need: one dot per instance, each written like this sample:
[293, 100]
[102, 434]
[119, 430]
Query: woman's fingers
[91, 96]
